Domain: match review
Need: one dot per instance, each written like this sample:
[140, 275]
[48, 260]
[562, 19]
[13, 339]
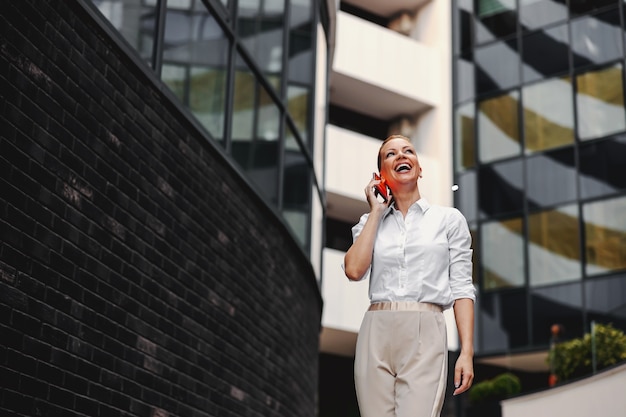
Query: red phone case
[381, 188]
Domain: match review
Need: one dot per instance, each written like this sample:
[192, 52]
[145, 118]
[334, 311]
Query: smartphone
[381, 189]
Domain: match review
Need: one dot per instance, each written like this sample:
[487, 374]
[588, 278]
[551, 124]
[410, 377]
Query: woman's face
[399, 164]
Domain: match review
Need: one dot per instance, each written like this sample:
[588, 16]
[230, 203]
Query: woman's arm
[464, 367]
[359, 257]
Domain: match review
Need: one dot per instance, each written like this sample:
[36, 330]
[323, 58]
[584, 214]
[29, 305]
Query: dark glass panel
[465, 141]
[195, 65]
[605, 235]
[498, 127]
[501, 188]
[268, 116]
[538, 13]
[502, 254]
[600, 102]
[465, 80]
[244, 102]
[503, 321]
[463, 26]
[301, 69]
[548, 114]
[497, 66]
[605, 299]
[560, 304]
[596, 39]
[585, 6]
[551, 178]
[494, 20]
[466, 195]
[261, 31]
[255, 131]
[135, 20]
[601, 167]
[545, 53]
[554, 246]
[298, 100]
[296, 187]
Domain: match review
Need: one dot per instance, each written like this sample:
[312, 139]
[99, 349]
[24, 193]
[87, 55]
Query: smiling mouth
[403, 167]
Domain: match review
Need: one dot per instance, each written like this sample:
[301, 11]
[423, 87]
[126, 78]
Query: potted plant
[485, 396]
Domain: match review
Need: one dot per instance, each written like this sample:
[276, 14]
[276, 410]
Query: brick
[114, 183]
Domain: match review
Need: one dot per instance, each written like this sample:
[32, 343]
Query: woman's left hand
[463, 373]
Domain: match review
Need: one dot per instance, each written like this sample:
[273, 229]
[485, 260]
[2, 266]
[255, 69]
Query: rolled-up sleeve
[356, 231]
[460, 252]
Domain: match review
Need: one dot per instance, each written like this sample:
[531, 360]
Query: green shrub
[574, 357]
[502, 386]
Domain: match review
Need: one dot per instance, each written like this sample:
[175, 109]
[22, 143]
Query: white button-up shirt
[424, 257]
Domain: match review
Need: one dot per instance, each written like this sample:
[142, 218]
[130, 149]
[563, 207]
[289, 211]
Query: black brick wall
[139, 275]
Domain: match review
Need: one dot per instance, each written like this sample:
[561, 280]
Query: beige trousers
[401, 360]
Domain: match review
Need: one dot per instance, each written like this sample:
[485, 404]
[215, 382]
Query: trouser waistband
[405, 306]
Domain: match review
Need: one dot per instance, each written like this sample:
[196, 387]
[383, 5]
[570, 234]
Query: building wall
[139, 274]
[540, 145]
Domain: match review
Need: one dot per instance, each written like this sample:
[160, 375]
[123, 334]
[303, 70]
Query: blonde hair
[379, 162]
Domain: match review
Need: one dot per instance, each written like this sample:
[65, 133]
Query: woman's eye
[390, 154]
[409, 151]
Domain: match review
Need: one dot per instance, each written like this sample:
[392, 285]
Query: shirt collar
[421, 204]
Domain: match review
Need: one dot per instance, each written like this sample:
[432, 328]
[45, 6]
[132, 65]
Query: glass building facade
[540, 159]
[245, 71]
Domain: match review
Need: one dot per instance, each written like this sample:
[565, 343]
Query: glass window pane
[502, 254]
[551, 178]
[301, 32]
[497, 66]
[554, 246]
[244, 94]
[296, 187]
[260, 27]
[585, 6]
[503, 321]
[176, 78]
[195, 59]
[557, 304]
[596, 39]
[545, 53]
[501, 188]
[298, 108]
[268, 116]
[463, 26]
[602, 167]
[600, 102]
[498, 127]
[255, 130]
[135, 20]
[548, 114]
[464, 137]
[465, 81]
[538, 13]
[605, 235]
[207, 97]
[604, 299]
[466, 195]
[495, 19]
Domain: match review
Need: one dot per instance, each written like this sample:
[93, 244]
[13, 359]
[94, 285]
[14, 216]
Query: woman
[418, 258]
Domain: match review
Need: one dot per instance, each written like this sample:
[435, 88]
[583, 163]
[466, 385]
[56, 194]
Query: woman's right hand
[375, 204]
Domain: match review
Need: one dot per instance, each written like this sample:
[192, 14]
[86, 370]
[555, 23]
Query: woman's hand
[463, 373]
[376, 206]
